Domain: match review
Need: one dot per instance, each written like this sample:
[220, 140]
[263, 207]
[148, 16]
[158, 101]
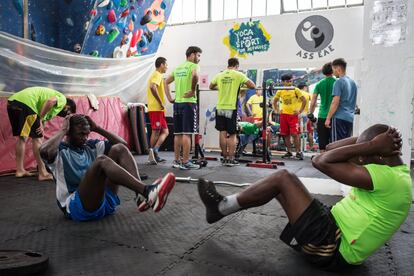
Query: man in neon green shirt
[228, 84]
[185, 77]
[28, 110]
[356, 226]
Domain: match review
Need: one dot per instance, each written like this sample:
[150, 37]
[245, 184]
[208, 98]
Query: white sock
[229, 205]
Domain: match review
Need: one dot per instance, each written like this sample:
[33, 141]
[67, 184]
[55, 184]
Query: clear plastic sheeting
[24, 63]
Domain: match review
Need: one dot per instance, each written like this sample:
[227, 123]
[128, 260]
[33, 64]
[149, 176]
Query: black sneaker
[287, 155]
[233, 163]
[299, 155]
[211, 199]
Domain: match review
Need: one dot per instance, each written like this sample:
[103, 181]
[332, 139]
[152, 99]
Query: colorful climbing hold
[110, 6]
[149, 36]
[116, 3]
[125, 13]
[131, 25]
[134, 17]
[155, 12]
[143, 42]
[86, 25]
[132, 8]
[161, 25]
[112, 35]
[77, 48]
[125, 40]
[94, 53]
[92, 12]
[126, 30]
[103, 3]
[122, 23]
[111, 16]
[163, 5]
[97, 20]
[136, 37]
[124, 3]
[146, 18]
[69, 22]
[140, 2]
[100, 30]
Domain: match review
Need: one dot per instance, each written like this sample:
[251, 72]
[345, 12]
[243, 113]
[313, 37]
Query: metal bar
[26, 19]
[195, 180]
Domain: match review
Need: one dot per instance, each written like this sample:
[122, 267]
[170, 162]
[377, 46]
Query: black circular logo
[314, 33]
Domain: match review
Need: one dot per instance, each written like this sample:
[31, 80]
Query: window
[191, 11]
[244, 8]
[230, 9]
[216, 10]
[336, 3]
[304, 5]
[259, 8]
[317, 4]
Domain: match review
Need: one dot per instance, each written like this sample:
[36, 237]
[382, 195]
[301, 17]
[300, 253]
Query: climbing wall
[125, 28]
[102, 28]
[11, 17]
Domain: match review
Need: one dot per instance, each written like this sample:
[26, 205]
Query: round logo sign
[314, 33]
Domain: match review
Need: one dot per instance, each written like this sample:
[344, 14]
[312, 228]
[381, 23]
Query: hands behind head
[66, 123]
[389, 142]
[93, 126]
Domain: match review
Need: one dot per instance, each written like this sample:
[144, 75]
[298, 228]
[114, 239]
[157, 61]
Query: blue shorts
[185, 118]
[77, 212]
[340, 129]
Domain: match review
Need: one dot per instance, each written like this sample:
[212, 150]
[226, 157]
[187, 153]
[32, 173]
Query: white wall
[347, 43]
[387, 82]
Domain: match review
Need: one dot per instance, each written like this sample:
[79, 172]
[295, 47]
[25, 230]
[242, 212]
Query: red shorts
[157, 119]
[289, 124]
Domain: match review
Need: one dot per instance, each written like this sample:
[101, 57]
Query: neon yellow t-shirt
[228, 83]
[183, 76]
[153, 104]
[36, 97]
[255, 101]
[289, 100]
[368, 219]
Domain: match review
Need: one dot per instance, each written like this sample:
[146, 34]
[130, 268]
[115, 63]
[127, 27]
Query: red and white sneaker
[157, 196]
[142, 202]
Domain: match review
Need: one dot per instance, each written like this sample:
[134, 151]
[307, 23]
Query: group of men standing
[335, 118]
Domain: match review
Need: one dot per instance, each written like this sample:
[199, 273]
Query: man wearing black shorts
[185, 77]
[355, 227]
[28, 111]
[228, 84]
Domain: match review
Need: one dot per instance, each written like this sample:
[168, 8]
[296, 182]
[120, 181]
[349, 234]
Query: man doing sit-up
[88, 172]
[356, 226]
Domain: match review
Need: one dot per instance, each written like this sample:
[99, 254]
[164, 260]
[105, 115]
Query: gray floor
[176, 241]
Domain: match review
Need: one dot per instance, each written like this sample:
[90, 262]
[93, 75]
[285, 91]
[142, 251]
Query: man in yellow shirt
[156, 109]
[253, 105]
[306, 124]
[289, 112]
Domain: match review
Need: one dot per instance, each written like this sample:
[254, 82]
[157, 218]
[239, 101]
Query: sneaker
[224, 162]
[142, 203]
[299, 155]
[157, 196]
[233, 163]
[158, 158]
[211, 199]
[151, 157]
[287, 155]
[176, 164]
[189, 166]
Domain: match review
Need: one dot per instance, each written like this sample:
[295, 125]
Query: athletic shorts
[185, 118]
[77, 213]
[226, 120]
[157, 119]
[289, 124]
[23, 119]
[340, 129]
[324, 134]
[316, 235]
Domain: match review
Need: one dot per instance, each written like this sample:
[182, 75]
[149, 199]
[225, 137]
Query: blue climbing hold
[134, 17]
[163, 5]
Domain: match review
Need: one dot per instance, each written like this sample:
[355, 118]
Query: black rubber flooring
[176, 241]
